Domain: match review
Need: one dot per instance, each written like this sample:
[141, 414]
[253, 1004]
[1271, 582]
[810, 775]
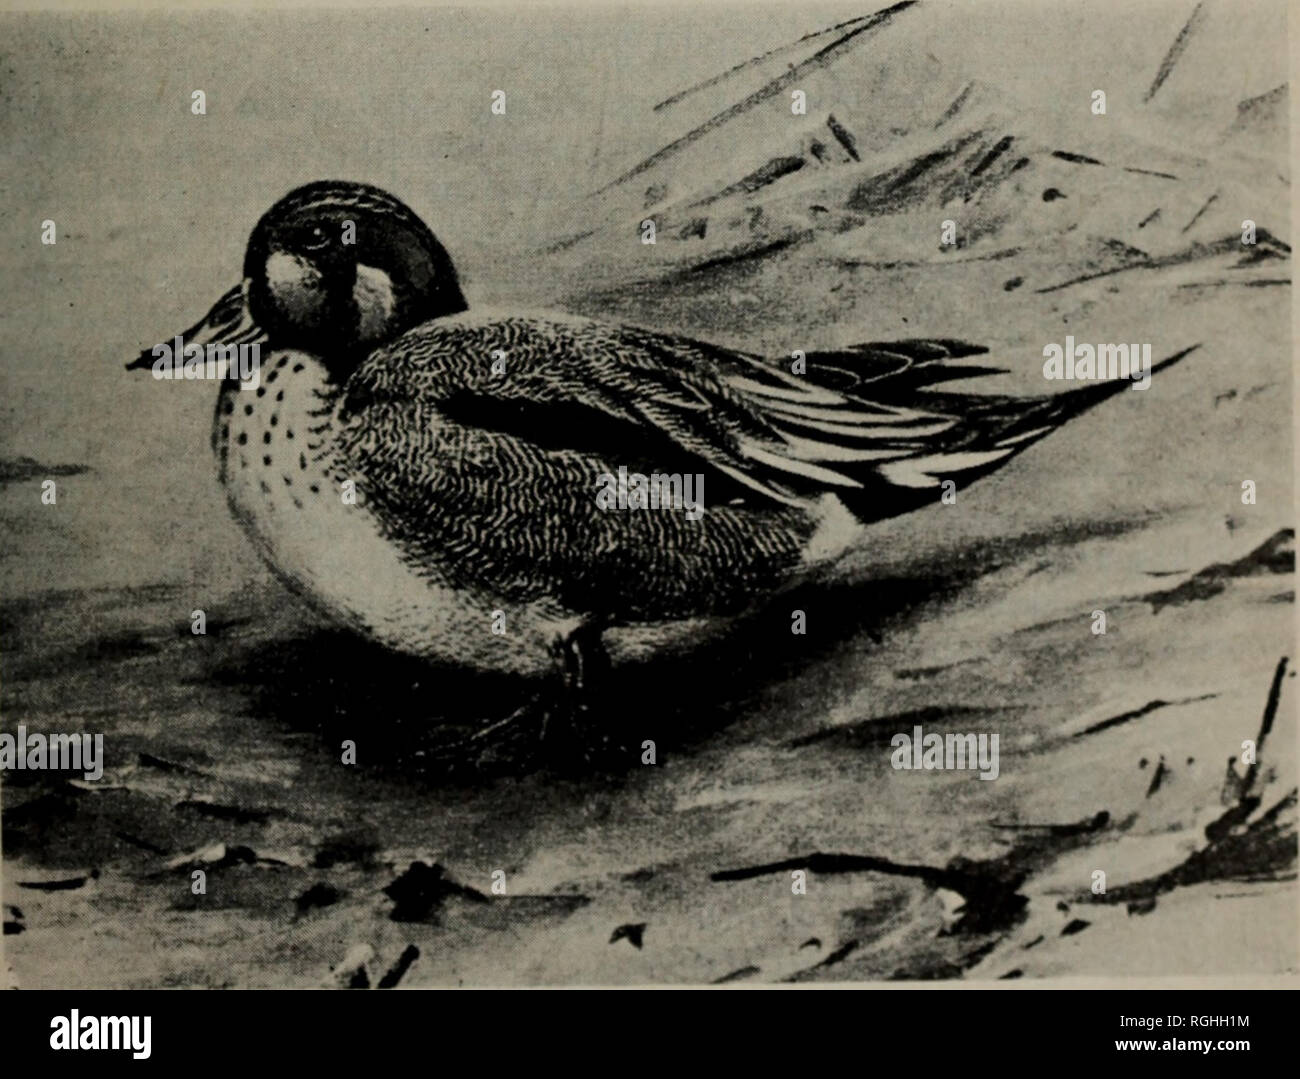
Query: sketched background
[774, 235]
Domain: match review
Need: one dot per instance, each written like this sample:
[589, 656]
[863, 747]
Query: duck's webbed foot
[561, 727]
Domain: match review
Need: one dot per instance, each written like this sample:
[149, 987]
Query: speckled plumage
[494, 476]
[284, 473]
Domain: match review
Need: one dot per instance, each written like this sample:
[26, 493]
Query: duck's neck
[290, 397]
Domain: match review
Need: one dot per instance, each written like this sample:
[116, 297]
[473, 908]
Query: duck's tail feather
[988, 433]
[999, 422]
[888, 371]
[863, 415]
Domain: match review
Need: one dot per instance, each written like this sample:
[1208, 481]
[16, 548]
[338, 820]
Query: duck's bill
[227, 324]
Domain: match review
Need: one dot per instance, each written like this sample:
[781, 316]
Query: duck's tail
[870, 415]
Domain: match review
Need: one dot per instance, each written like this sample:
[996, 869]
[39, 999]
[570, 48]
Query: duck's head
[335, 269]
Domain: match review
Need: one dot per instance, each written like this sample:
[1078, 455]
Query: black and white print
[662, 495]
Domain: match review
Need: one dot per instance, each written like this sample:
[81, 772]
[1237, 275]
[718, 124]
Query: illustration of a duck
[473, 447]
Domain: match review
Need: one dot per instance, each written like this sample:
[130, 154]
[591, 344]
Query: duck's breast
[292, 492]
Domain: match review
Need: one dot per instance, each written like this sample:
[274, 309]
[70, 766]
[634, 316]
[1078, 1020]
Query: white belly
[287, 490]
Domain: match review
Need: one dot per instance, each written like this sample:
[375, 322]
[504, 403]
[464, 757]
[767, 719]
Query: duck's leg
[557, 724]
[574, 731]
[584, 662]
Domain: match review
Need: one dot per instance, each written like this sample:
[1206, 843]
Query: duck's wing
[858, 423]
[620, 395]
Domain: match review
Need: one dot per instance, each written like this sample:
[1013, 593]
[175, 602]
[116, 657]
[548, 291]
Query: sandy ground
[775, 232]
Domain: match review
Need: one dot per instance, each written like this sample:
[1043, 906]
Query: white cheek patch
[295, 284]
[373, 295]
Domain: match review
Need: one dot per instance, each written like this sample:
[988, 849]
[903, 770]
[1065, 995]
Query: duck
[429, 475]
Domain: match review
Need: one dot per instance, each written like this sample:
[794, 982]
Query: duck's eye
[314, 239]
